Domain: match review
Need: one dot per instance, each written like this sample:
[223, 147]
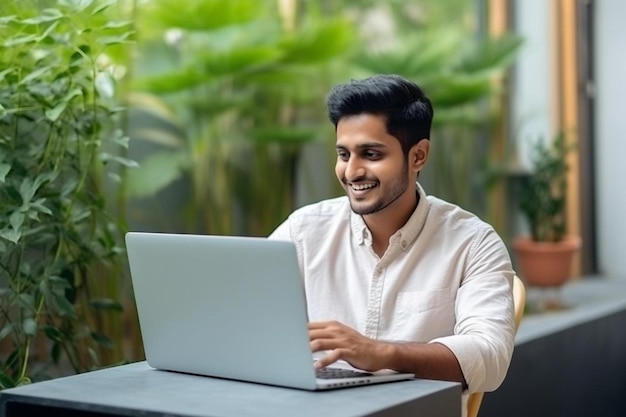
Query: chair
[519, 300]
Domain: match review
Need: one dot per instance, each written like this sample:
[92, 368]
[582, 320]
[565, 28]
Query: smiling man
[395, 278]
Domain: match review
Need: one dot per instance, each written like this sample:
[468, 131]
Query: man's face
[370, 164]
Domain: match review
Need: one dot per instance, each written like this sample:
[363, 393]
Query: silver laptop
[228, 307]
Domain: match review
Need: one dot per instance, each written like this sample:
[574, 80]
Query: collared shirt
[445, 277]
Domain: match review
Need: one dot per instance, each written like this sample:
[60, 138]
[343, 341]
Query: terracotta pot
[546, 264]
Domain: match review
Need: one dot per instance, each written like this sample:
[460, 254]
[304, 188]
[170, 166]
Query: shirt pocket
[421, 316]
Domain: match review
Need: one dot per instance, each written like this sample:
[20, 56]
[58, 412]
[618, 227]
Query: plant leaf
[102, 339]
[6, 381]
[6, 330]
[29, 325]
[66, 308]
[54, 113]
[17, 219]
[53, 333]
[34, 75]
[4, 170]
[106, 304]
[46, 15]
[11, 235]
[155, 172]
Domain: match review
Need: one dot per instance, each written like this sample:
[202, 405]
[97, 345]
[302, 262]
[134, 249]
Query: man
[394, 278]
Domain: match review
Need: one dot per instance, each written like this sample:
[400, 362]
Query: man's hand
[425, 360]
[343, 342]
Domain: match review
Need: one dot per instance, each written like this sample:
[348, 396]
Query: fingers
[330, 335]
[316, 325]
[319, 344]
[330, 358]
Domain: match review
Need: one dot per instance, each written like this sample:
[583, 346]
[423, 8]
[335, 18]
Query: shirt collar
[407, 233]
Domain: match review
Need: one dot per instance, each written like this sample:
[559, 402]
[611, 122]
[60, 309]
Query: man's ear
[418, 155]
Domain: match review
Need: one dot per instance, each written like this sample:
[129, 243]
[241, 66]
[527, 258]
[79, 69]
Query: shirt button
[404, 244]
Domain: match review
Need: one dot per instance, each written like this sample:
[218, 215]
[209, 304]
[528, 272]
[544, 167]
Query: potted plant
[545, 257]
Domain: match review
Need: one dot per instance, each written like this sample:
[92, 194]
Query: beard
[391, 193]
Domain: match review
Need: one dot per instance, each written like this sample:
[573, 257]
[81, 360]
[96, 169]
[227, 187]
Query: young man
[395, 278]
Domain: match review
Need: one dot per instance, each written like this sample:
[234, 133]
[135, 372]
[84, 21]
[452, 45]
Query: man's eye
[343, 156]
[372, 155]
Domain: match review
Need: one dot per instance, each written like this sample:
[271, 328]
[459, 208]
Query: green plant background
[203, 116]
[59, 140]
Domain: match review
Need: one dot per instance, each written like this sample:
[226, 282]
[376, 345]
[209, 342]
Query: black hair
[407, 110]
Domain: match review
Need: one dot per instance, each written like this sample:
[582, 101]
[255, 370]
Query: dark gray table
[138, 390]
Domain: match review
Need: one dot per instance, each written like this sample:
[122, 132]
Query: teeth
[362, 187]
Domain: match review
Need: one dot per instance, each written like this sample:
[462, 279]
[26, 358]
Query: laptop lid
[225, 306]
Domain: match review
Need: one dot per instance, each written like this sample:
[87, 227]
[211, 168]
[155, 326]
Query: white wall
[530, 101]
[610, 50]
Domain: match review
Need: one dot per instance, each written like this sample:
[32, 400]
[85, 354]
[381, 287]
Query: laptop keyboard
[332, 373]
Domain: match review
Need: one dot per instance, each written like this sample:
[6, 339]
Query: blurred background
[208, 116]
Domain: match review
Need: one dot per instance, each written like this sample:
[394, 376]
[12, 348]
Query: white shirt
[446, 277]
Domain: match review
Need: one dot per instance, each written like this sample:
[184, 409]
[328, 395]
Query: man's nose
[354, 169]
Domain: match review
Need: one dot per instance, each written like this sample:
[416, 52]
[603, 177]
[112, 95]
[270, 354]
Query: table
[138, 390]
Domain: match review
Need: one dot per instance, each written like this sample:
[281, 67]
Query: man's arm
[425, 360]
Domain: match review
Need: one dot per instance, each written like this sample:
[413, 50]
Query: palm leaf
[319, 42]
[491, 55]
[450, 90]
[199, 15]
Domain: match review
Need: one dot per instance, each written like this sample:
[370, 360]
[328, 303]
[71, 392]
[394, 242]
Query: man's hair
[407, 110]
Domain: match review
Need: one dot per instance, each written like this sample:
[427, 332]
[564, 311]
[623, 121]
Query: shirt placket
[377, 286]
[375, 301]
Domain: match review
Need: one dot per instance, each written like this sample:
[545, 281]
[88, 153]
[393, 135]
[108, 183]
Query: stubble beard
[399, 187]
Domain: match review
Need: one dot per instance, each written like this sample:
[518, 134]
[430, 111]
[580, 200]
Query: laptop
[229, 307]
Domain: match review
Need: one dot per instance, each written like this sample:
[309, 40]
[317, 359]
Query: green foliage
[228, 107]
[57, 141]
[458, 69]
[543, 195]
